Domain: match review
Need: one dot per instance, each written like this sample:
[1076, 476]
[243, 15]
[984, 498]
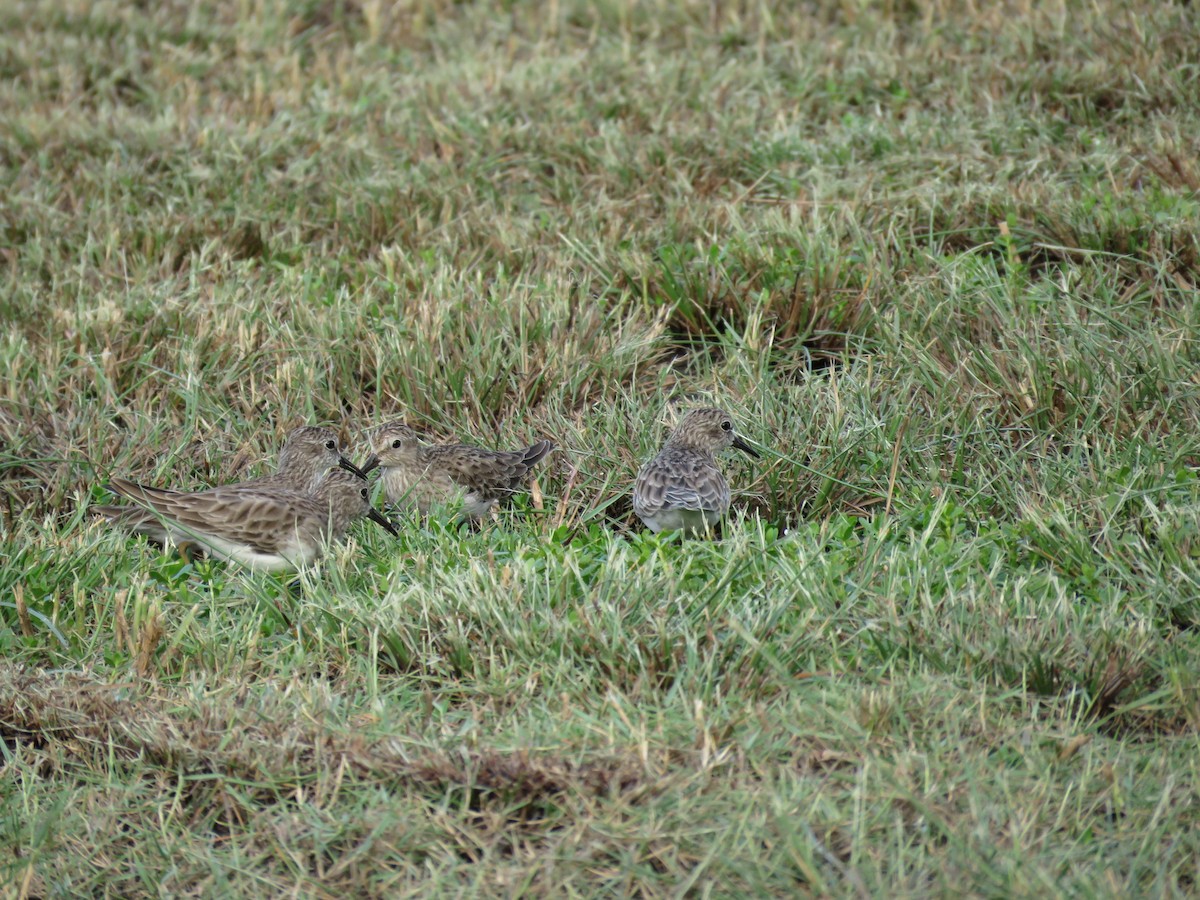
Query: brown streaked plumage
[427, 475]
[307, 454]
[681, 488]
[266, 528]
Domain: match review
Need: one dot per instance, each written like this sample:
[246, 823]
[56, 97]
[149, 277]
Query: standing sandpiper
[681, 489]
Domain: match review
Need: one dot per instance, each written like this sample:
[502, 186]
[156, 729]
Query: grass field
[940, 260]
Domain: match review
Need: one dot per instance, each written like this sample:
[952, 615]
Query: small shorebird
[267, 528]
[307, 454]
[681, 489]
[452, 475]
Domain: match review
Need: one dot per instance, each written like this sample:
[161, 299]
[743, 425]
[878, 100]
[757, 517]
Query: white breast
[690, 520]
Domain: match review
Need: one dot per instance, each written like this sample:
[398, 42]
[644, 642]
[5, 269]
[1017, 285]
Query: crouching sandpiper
[308, 453]
[268, 528]
[453, 476]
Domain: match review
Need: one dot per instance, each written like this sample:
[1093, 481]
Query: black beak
[744, 447]
[372, 463]
[351, 467]
[376, 516]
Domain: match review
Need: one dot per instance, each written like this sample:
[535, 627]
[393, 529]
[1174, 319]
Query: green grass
[940, 264]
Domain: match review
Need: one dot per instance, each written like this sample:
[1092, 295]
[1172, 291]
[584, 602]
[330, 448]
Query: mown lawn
[940, 261]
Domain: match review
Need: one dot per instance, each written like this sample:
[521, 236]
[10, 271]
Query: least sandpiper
[450, 475]
[307, 454]
[681, 489]
[267, 528]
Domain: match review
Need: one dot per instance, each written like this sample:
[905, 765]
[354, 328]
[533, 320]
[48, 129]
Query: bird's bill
[376, 516]
[351, 467]
[371, 463]
[744, 447]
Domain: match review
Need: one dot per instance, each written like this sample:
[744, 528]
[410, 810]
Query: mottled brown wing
[680, 481]
[489, 472]
[263, 522]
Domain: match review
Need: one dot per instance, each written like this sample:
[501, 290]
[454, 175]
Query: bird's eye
[331, 444]
[727, 425]
[396, 443]
[363, 493]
